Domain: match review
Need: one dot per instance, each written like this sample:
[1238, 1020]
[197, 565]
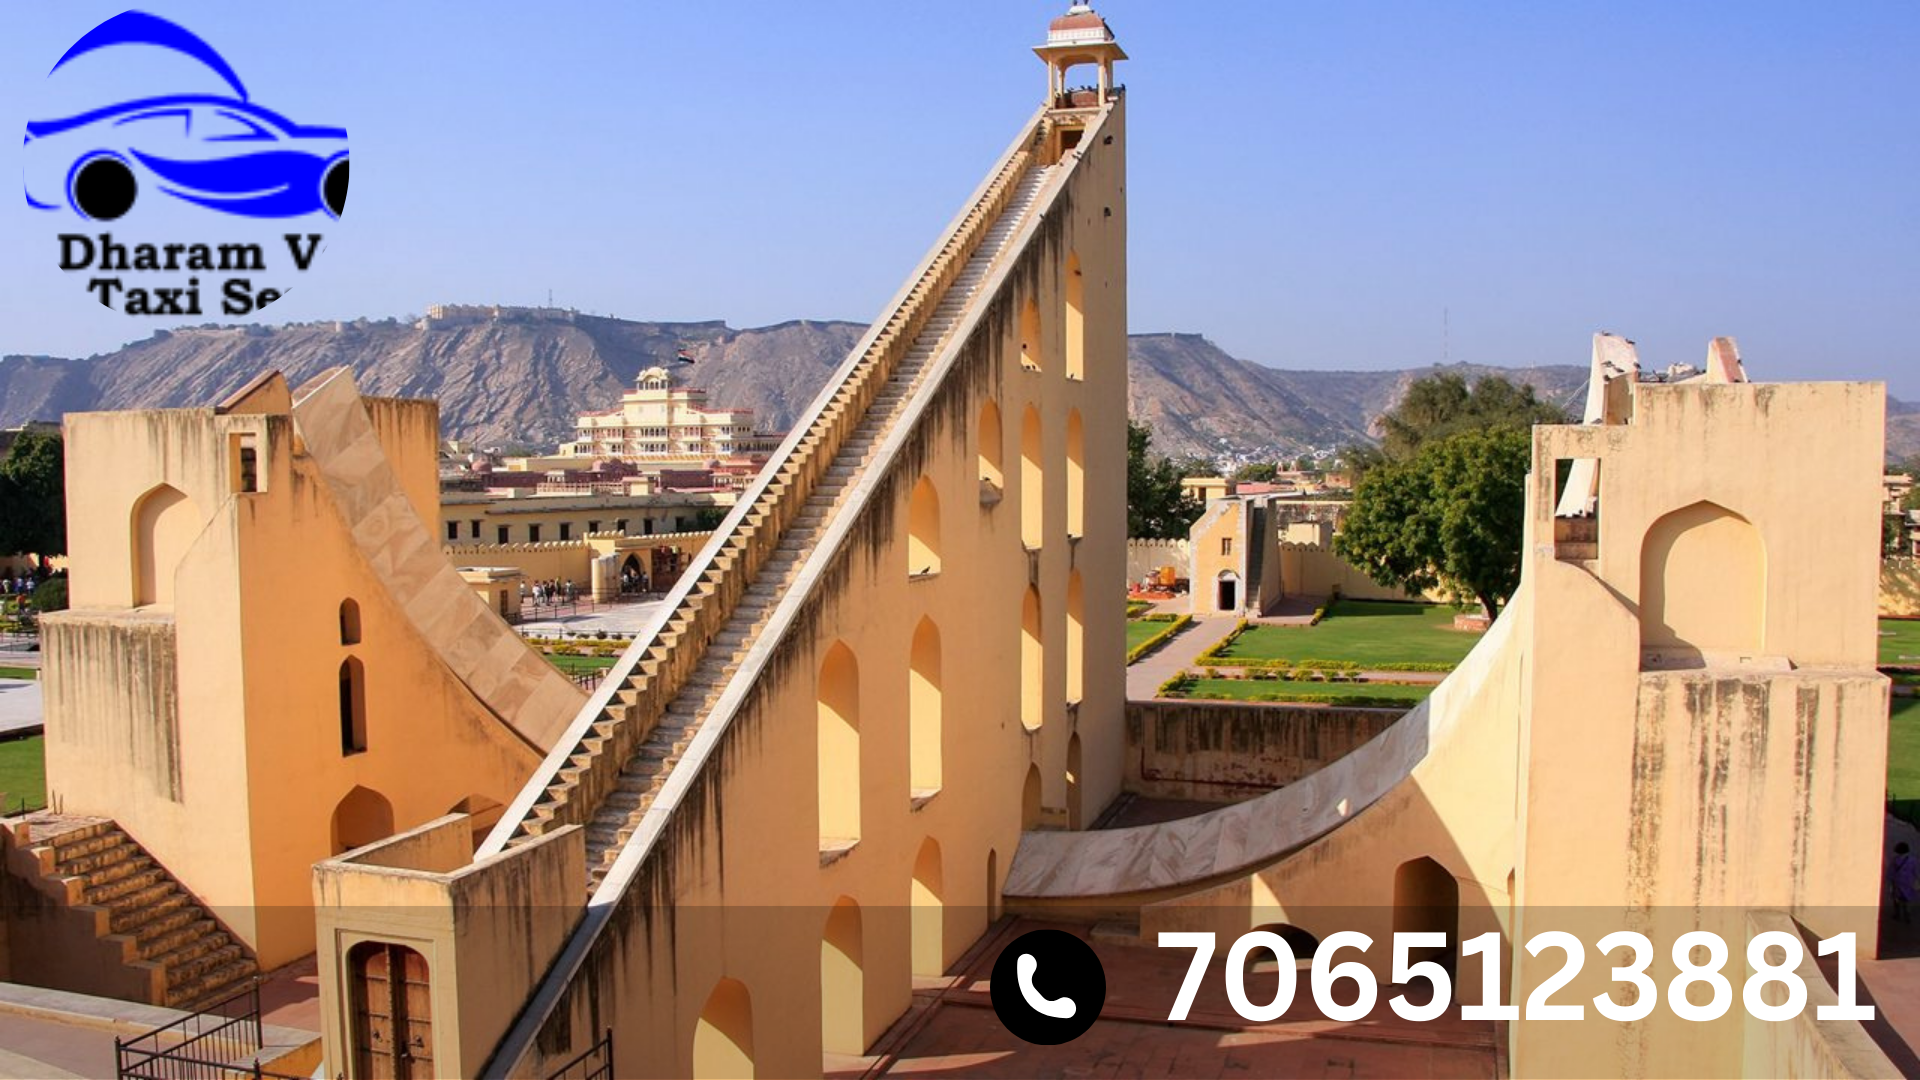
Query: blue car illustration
[218, 151]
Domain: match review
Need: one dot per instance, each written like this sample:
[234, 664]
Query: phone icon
[1058, 1008]
[1073, 972]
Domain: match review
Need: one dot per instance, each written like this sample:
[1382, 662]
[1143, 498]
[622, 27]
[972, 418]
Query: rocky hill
[519, 380]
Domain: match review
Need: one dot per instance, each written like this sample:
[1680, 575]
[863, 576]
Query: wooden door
[392, 1012]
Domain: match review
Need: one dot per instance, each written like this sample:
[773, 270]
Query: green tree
[1257, 472]
[1157, 506]
[33, 492]
[1452, 515]
[1439, 406]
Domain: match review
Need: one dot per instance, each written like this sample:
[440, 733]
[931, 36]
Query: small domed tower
[1080, 36]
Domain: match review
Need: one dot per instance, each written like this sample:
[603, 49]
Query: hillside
[521, 379]
[504, 381]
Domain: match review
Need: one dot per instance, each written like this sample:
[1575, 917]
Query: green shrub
[1176, 686]
[1178, 623]
[50, 595]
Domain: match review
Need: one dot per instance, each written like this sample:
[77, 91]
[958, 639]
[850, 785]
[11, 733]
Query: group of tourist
[20, 583]
[550, 591]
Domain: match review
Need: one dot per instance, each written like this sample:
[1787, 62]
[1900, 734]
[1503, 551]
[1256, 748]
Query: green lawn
[23, 774]
[1376, 635]
[582, 665]
[1903, 758]
[1139, 630]
[18, 672]
[1900, 641]
[1279, 690]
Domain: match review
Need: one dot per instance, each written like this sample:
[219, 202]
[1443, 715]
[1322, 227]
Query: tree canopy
[1451, 515]
[33, 492]
[1157, 506]
[1436, 407]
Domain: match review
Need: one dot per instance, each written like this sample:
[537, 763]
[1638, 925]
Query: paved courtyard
[20, 707]
[585, 619]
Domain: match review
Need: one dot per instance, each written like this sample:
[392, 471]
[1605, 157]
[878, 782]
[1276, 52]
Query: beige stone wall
[1148, 556]
[1772, 772]
[1219, 543]
[226, 759]
[1223, 751]
[407, 890]
[1900, 589]
[571, 561]
[1316, 572]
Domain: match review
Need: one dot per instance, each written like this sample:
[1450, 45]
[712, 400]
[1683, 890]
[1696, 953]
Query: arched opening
[1076, 637]
[483, 813]
[1076, 319]
[1703, 584]
[1032, 482]
[164, 525]
[633, 575]
[723, 1037]
[990, 446]
[1076, 474]
[1032, 662]
[1030, 800]
[361, 818]
[924, 748]
[842, 982]
[993, 886]
[390, 999]
[1303, 944]
[1227, 594]
[1073, 782]
[1426, 899]
[839, 743]
[929, 911]
[1030, 335]
[923, 529]
[353, 706]
[349, 622]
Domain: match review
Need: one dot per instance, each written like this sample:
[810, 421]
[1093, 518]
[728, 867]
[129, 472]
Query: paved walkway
[19, 704]
[52, 1034]
[613, 618]
[1144, 678]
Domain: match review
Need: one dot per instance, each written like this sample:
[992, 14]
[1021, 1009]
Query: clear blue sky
[1312, 185]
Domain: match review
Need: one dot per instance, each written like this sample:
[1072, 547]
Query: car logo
[220, 151]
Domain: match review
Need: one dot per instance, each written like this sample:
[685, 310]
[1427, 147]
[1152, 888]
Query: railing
[220, 1042]
[641, 686]
[593, 1063]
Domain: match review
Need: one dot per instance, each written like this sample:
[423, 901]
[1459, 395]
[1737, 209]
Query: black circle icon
[103, 189]
[1048, 987]
[334, 189]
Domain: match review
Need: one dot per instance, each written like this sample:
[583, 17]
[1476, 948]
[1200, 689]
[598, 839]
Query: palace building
[661, 421]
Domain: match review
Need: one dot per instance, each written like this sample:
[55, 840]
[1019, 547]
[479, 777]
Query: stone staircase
[102, 871]
[646, 769]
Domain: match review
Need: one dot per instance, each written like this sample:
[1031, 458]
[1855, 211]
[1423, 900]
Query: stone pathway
[20, 705]
[1144, 678]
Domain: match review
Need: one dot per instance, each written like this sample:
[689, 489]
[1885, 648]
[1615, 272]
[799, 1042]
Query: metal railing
[220, 1042]
[593, 1063]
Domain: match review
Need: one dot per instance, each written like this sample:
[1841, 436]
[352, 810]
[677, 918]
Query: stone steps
[619, 812]
[198, 959]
